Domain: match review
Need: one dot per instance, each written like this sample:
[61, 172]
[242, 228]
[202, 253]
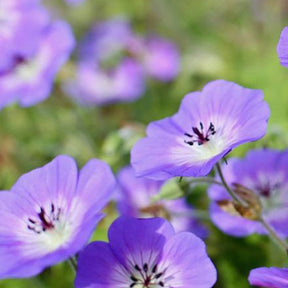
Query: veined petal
[99, 268]
[207, 126]
[179, 256]
[141, 240]
[269, 277]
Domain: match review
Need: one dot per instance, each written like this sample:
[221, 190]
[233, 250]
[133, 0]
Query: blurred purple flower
[106, 40]
[145, 253]
[114, 63]
[21, 22]
[50, 214]
[265, 173]
[282, 48]
[106, 72]
[160, 58]
[74, 2]
[269, 277]
[208, 125]
[29, 80]
[134, 198]
[94, 85]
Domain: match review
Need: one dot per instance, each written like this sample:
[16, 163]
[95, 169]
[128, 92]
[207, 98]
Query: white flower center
[51, 227]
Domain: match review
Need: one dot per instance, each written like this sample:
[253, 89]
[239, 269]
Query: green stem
[282, 243]
[205, 180]
[234, 196]
[73, 263]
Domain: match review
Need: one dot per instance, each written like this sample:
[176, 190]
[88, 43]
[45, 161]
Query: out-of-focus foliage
[234, 40]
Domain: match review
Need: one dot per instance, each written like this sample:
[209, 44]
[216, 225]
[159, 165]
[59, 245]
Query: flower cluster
[50, 213]
[114, 63]
[27, 71]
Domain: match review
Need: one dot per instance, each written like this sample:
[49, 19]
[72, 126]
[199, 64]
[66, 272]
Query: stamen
[199, 136]
[146, 279]
[45, 221]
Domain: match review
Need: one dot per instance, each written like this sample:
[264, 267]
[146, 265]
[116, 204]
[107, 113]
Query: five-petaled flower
[50, 214]
[265, 173]
[145, 253]
[208, 125]
[269, 277]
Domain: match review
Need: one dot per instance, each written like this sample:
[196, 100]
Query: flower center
[45, 220]
[267, 189]
[17, 61]
[199, 135]
[146, 277]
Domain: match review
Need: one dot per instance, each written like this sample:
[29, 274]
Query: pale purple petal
[97, 86]
[269, 277]
[139, 239]
[282, 48]
[161, 58]
[179, 256]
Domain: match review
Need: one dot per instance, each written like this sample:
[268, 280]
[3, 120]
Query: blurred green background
[229, 39]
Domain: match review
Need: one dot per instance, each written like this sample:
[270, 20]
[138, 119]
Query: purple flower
[114, 63]
[93, 85]
[160, 58]
[208, 125]
[265, 173]
[30, 80]
[282, 48]
[50, 214]
[107, 40]
[106, 72]
[145, 253]
[269, 277]
[135, 199]
[75, 2]
[21, 22]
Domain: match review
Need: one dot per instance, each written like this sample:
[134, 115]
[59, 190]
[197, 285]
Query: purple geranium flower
[160, 58]
[282, 48]
[106, 72]
[265, 173]
[21, 22]
[107, 40]
[208, 125]
[94, 85]
[135, 199]
[50, 214]
[29, 80]
[145, 253]
[269, 277]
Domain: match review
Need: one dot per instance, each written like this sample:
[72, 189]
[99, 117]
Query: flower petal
[269, 277]
[99, 268]
[139, 240]
[184, 256]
